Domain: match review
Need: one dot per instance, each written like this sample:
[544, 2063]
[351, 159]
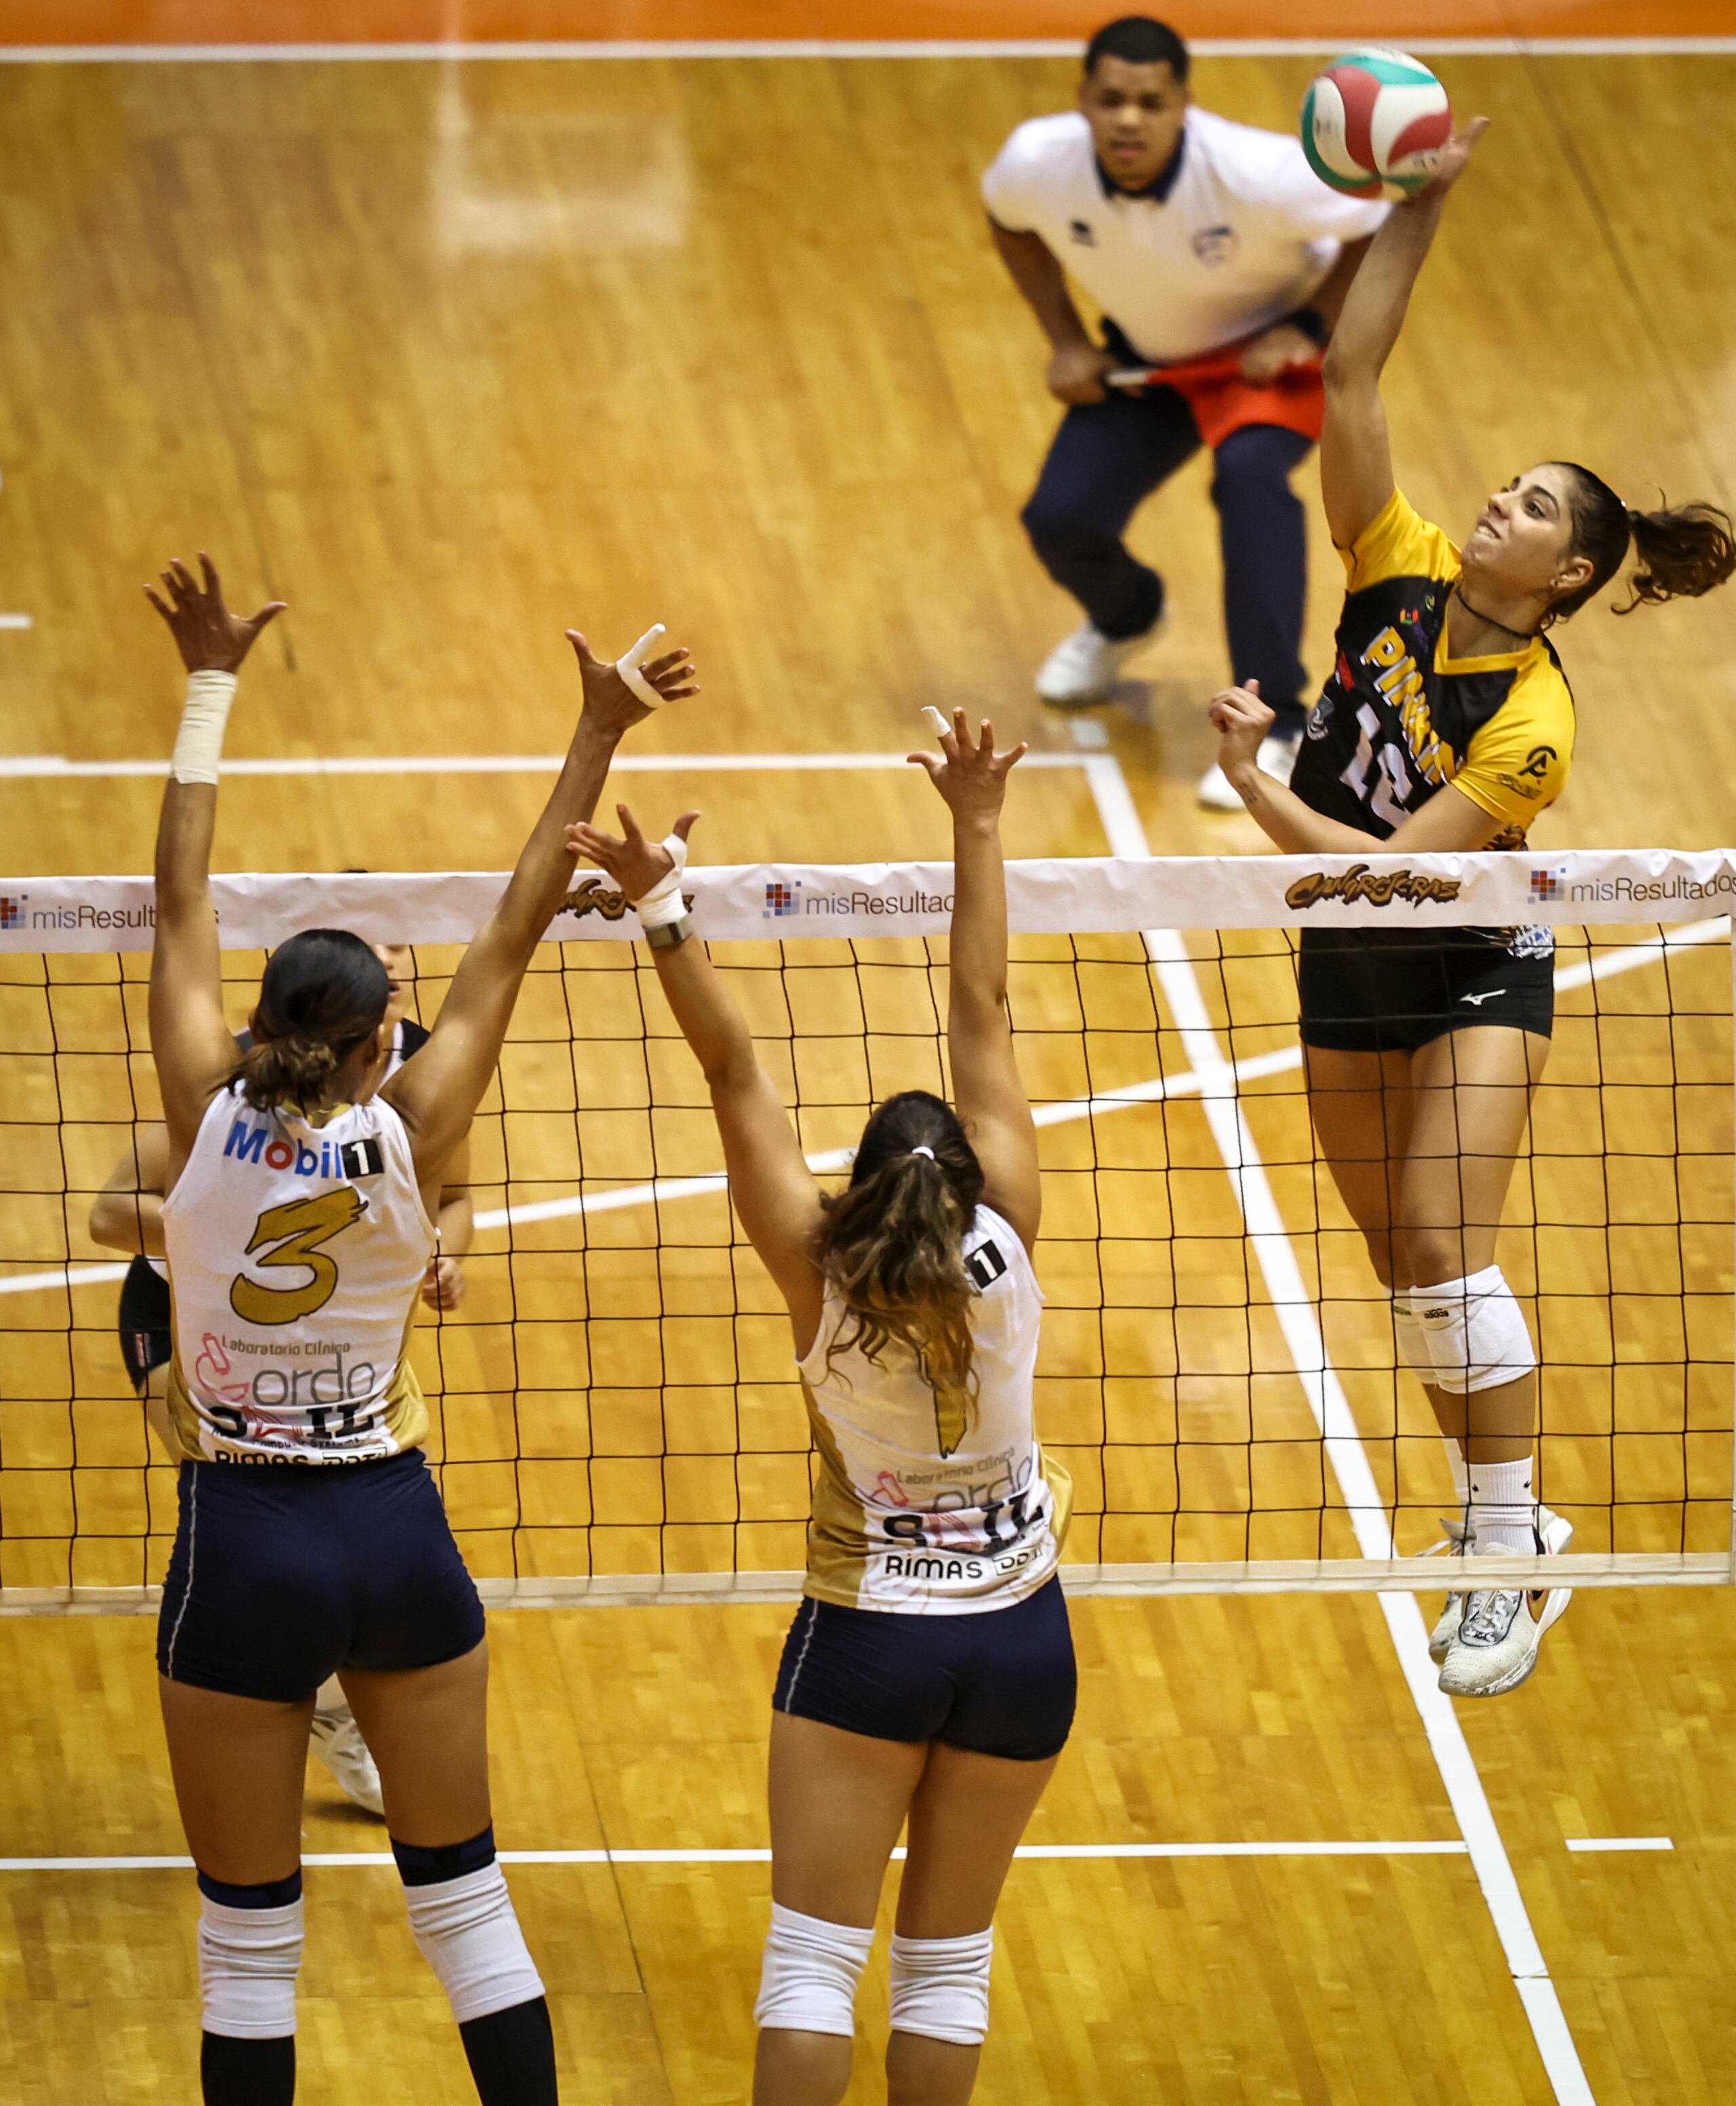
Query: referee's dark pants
[1107, 458]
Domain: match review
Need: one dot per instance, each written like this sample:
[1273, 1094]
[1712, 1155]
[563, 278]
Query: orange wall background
[387, 21]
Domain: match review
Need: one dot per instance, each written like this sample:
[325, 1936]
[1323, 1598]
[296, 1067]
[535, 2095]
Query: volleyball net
[616, 1411]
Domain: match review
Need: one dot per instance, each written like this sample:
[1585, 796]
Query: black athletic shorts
[1002, 1682]
[1383, 991]
[283, 1572]
[145, 1311]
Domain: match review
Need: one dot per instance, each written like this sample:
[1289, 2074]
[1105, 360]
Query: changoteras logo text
[1377, 889]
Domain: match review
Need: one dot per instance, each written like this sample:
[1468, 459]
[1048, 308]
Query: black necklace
[1527, 634]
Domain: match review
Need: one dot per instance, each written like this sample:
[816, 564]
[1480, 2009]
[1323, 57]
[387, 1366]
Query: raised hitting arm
[774, 1191]
[1356, 459]
[193, 1047]
[988, 1093]
[438, 1091]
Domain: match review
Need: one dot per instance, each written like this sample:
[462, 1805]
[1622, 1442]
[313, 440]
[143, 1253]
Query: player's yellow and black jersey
[1399, 717]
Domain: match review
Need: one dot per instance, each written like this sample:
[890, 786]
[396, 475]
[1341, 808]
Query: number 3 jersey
[295, 1253]
[923, 1510]
[1400, 717]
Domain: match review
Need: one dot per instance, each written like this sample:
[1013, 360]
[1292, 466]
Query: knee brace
[809, 1975]
[940, 1987]
[465, 1927]
[250, 1954]
[1411, 1338]
[1475, 1332]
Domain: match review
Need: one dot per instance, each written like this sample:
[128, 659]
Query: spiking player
[929, 1674]
[1448, 725]
[298, 1231]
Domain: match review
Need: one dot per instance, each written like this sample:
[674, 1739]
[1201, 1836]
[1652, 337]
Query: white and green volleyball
[1373, 123]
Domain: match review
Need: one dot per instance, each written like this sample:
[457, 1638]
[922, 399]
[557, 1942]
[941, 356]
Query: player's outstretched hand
[634, 863]
[1454, 157]
[209, 638]
[1241, 720]
[972, 778]
[611, 706]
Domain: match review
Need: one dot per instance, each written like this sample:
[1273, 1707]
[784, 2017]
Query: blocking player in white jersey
[298, 1228]
[127, 1215]
[929, 1674]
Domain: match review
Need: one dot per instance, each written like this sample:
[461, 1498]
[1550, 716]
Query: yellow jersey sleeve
[1518, 763]
[1398, 543]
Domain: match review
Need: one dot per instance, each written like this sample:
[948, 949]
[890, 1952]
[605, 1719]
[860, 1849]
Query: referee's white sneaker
[1083, 667]
[1496, 1646]
[1277, 758]
[337, 1741]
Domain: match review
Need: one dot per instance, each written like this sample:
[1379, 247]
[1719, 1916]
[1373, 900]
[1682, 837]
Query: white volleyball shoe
[1495, 1647]
[1083, 668]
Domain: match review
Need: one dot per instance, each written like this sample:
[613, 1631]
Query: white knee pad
[1475, 1332]
[1411, 1338]
[467, 1933]
[247, 1962]
[940, 1987]
[808, 1976]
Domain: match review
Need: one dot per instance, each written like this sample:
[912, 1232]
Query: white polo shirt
[1244, 235]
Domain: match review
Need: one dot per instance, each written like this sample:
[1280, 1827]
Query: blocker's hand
[634, 863]
[1242, 720]
[611, 706]
[971, 778]
[1454, 157]
[208, 637]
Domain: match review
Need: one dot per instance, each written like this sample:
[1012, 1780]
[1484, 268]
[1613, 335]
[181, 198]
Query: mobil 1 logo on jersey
[985, 1266]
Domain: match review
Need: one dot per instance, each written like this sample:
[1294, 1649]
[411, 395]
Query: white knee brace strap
[1475, 1332]
[808, 1976]
[940, 1987]
[247, 1962]
[467, 1933]
[1410, 1337]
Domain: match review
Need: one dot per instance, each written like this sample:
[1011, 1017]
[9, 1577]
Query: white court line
[31, 767]
[1605, 965]
[1047, 1851]
[15, 621]
[816, 47]
[1621, 1843]
[1269, 1239]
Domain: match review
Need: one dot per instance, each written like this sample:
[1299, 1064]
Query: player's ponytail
[891, 1246]
[323, 995]
[1682, 551]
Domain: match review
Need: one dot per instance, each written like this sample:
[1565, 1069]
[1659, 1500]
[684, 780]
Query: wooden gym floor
[452, 357]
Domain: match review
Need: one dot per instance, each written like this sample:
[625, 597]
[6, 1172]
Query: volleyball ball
[1373, 124]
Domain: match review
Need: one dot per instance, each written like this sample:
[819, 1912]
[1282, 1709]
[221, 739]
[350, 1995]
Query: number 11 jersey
[295, 1254]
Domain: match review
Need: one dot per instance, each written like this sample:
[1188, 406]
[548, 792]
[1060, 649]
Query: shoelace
[1459, 1537]
[1488, 1615]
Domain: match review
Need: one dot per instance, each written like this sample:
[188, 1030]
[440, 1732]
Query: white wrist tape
[663, 903]
[627, 665]
[199, 746]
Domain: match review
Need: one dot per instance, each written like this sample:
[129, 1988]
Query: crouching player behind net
[929, 1674]
[1448, 725]
[298, 1231]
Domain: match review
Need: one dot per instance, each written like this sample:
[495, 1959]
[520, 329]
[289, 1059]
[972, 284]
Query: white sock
[1502, 1508]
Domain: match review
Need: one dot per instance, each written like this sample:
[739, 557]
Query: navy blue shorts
[283, 1572]
[1001, 1681]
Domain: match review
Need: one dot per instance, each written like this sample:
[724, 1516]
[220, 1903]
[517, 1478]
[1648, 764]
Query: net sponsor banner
[1066, 896]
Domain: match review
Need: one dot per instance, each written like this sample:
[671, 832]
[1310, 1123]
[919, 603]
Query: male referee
[1215, 252]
